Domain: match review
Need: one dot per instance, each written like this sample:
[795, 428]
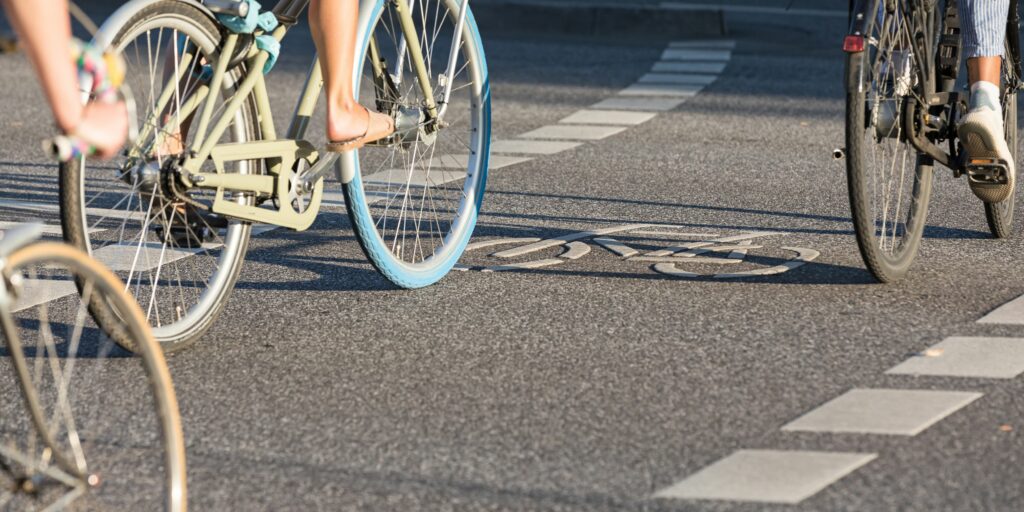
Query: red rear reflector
[853, 44]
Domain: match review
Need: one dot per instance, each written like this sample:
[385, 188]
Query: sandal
[378, 126]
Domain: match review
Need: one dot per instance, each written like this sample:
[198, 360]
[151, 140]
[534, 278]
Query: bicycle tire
[60, 434]
[187, 328]
[391, 256]
[999, 216]
[886, 264]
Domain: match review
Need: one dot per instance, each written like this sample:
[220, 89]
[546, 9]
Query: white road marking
[989, 358]
[573, 132]
[552, 242]
[751, 9]
[706, 242]
[675, 234]
[741, 250]
[616, 247]
[499, 241]
[904, 412]
[462, 161]
[127, 257]
[688, 67]
[767, 476]
[692, 259]
[687, 54]
[612, 117]
[37, 291]
[677, 78]
[48, 229]
[626, 103]
[719, 44]
[1011, 313]
[803, 257]
[670, 269]
[55, 208]
[677, 90]
[532, 147]
[524, 266]
[575, 251]
[398, 178]
[716, 248]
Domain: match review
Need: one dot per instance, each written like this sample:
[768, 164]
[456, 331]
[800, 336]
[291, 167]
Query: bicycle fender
[105, 36]
[862, 17]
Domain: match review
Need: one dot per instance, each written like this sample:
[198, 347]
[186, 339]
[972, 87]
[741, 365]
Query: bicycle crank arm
[323, 166]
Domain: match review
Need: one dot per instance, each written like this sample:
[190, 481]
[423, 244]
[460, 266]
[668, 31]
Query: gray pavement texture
[591, 385]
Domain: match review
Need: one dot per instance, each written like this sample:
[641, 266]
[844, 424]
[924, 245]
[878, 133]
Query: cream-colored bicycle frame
[280, 154]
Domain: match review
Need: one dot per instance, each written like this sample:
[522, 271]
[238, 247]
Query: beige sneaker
[990, 166]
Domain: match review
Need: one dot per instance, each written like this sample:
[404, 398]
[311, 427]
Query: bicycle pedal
[988, 171]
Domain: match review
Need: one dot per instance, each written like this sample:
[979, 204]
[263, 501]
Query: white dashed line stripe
[144, 257]
[988, 358]
[609, 117]
[494, 162]
[37, 291]
[678, 90]
[687, 54]
[1011, 313]
[629, 103]
[903, 412]
[415, 178]
[716, 44]
[532, 147]
[767, 476]
[688, 67]
[677, 78]
[573, 132]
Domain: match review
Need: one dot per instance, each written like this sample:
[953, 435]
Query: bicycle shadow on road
[930, 231]
[344, 267]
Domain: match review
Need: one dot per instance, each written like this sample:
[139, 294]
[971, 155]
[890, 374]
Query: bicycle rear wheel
[1000, 215]
[179, 262]
[414, 200]
[889, 182]
[97, 429]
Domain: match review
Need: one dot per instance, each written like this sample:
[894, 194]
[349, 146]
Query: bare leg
[985, 69]
[45, 29]
[333, 23]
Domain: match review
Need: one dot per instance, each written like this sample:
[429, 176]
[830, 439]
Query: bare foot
[346, 122]
[105, 127]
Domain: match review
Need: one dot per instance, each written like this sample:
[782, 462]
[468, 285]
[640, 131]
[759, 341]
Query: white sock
[985, 94]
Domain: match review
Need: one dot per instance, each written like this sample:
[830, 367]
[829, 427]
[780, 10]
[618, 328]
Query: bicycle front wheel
[1000, 215]
[413, 200]
[889, 182]
[98, 429]
[178, 261]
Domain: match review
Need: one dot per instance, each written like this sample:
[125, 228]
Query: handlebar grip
[231, 7]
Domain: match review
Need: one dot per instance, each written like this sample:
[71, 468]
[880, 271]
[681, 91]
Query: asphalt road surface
[604, 381]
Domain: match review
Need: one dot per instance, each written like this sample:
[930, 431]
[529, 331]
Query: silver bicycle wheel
[179, 261]
[97, 428]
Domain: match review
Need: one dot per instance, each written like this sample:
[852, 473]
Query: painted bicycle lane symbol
[691, 249]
